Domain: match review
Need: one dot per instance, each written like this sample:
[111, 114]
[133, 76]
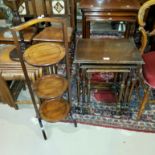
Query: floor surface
[21, 135]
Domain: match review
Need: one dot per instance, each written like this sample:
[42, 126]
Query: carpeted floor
[105, 114]
[100, 113]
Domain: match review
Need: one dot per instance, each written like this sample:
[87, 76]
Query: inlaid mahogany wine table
[109, 10]
[107, 55]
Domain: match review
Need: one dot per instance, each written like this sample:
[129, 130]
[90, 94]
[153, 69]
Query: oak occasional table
[109, 10]
[107, 55]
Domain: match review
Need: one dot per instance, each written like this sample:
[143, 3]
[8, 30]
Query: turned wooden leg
[87, 29]
[83, 85]
[83, 25]
[143, 103]
[133, 82]
[88, 88]
[131, 90]
[127, 89]
[78, 83]
[121, 91]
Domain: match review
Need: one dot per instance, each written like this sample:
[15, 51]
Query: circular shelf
[44, 54]
[54, 110]
[50, 86]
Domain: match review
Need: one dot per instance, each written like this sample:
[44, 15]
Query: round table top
[50, 86]
[54, 110]
[44, 54]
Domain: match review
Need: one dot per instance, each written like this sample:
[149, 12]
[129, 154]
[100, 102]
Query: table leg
[132, 28]
[88, 88]
[128, 29]
[133, 82]
[83, 25]
[121, 91]
[78, 83]
[83, 85]
[128, 82]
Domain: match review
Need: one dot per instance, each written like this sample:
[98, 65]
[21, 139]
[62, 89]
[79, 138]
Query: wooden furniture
[49, 88]
[5, 33]
[61, 9]
[108, 55]
[113, 10]
[5, 95]
[11, 71]
[148, 57]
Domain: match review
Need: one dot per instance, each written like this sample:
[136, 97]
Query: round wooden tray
[44, 54]
[54, 110]
[50, 86]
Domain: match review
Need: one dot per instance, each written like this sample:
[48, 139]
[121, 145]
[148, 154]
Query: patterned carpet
[101, 112]
[104, 114]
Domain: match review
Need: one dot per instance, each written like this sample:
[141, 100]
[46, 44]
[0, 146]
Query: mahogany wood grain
[50, 86]
[57, 34]
[108, 10]
[110, 5]
[107, 54]
[53, 34]
[54, 110]
[44, 54]
[107, 51]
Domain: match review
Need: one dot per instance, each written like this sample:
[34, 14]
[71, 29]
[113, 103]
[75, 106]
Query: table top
[4, 55]
[107, 51]
[127, 5]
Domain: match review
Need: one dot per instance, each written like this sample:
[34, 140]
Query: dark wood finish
[44, 54]
[53, 34]
[113, 10]
[47, 86]
[54, 110]
[108, 55]
[13, 4]
[107, 51]
[50, 86]
[111, 4]
[105, 85]
[5, 94]
[56, 31]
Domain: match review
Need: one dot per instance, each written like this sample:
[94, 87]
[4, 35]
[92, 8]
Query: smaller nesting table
[109, 10]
